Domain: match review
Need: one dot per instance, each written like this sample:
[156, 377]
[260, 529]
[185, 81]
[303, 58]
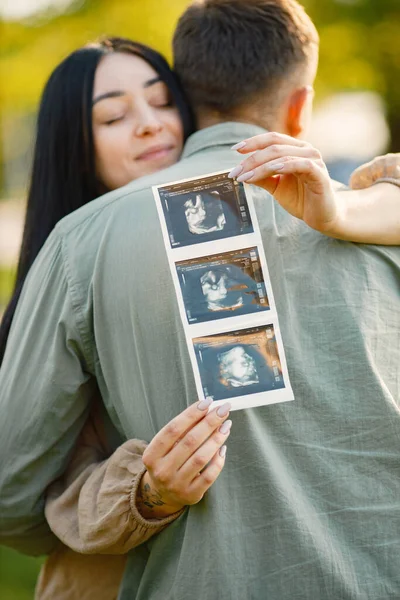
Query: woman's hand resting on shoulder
[382, 169]
[183, 460]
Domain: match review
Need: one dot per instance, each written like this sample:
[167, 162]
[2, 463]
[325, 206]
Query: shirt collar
[223, 134]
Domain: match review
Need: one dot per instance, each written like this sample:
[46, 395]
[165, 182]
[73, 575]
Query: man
[307, 504]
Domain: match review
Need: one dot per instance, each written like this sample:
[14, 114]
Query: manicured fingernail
[245, 176]
[276, 167]
[235, 172]
[223, 410]
[204, 404]
[238, 146]
[225, 427]
[222, 451]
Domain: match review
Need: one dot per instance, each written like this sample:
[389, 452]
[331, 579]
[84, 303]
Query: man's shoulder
[102, 207]
[127, 213]
[136, 197]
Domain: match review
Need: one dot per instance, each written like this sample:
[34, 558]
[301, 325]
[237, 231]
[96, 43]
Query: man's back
[307, 505]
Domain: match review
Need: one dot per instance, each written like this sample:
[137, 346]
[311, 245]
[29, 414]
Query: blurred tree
[29, 50]
[360, 49]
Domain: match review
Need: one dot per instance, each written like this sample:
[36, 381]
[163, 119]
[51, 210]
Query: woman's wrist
[151, 503]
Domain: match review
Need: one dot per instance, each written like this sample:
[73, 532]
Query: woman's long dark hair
[63, 173]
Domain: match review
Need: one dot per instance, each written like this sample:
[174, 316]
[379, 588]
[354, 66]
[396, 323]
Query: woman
[110, 112]
[76, 158]
[106, 118]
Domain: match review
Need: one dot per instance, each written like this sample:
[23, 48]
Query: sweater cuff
[392, 180]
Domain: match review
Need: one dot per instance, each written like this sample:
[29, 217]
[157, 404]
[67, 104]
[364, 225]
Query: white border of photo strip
[232, 323]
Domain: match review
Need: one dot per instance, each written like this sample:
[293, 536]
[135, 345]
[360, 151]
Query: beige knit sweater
[92, 511]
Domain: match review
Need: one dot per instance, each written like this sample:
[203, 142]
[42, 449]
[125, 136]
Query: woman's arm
[369, 216]
[92, 508]
[110, 506]
[295, 174]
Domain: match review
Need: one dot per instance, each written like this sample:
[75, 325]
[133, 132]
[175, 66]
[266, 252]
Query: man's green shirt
[308, 504]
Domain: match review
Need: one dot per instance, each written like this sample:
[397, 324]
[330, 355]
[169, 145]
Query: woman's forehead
[121, 71]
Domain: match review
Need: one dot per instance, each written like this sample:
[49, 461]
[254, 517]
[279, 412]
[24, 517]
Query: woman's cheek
[172, 122]
[108, 165]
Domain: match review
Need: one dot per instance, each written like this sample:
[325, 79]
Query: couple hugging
[304, 502]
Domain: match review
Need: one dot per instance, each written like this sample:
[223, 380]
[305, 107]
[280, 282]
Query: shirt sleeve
[45, 392]
[92, 507]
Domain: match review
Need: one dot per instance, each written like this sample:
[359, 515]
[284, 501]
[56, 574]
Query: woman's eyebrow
[151, 82]
[119, 93]
[115, 94]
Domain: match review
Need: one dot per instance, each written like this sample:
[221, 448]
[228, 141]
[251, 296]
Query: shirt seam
[75, 304]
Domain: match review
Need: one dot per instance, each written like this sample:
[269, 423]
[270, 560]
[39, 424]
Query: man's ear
[299, 110]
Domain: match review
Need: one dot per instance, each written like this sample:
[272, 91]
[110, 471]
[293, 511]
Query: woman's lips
[155, 152]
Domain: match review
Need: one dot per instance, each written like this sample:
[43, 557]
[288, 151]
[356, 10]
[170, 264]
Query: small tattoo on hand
[149, 497]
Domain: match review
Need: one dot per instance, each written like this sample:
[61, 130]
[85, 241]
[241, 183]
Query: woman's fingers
[297, 166]
[200, 459]
[209, 475]
[171, 474]
[173, 431]
[264, 140]
[195, 437]
[271, 153]
[267, 162]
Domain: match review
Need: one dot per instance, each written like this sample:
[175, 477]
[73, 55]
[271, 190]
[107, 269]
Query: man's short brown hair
[230, 52]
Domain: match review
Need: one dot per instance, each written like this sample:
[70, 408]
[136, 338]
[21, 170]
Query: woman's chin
[157, 163]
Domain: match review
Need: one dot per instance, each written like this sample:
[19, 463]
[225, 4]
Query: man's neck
[209, 119]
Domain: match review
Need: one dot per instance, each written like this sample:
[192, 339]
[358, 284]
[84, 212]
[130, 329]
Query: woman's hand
[382, 169]
[183, 460]
[294, 173]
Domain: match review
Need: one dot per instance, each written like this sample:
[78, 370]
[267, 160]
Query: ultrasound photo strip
[244, 366]
[222, 284]
[204, 209]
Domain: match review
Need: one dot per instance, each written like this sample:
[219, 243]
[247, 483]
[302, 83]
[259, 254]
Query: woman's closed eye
[165, 103]
[160, 97]
[112, 120]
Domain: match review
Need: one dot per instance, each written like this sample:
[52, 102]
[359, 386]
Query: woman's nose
[147, 123]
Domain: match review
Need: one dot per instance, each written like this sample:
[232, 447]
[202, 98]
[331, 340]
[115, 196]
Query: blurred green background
[359, 54]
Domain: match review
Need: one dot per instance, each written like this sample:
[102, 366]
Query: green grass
[18, 575]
